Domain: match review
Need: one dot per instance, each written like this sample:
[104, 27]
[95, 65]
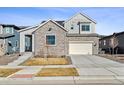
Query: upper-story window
[85, 27]
[104, 42]
[8, 30]
[50, 39]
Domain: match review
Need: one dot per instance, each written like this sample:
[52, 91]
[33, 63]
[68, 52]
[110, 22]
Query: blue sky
[108, 20]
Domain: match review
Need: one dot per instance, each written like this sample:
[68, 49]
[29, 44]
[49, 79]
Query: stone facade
[2, 47]
[82, 38]
[61, 46]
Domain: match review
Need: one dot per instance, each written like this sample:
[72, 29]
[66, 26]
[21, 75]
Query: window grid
[50, 39]
[85, 27]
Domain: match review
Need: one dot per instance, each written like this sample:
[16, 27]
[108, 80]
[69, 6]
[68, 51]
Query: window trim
[81, 24]
[49, 35]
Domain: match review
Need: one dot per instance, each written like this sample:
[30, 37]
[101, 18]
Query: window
[104, 42]
[9, 30]
[6, 30]
[50, 39]
[85, 28]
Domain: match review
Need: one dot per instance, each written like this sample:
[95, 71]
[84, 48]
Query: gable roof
[50, 21]
[109, 36]
[59, 22]
[10, 25]
[86, 16]
[23, 27]
[28, 28]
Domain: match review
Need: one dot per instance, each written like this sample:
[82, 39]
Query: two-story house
[105, 43]
[82, 37]
[77, 35]
[9, 39]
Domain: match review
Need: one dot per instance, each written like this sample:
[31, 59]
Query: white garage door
[80, 48]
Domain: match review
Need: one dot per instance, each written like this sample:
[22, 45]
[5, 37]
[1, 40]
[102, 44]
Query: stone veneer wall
[61, 46]
[2, 47]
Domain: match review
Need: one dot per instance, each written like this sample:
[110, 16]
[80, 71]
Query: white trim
[85, 24]
[81, 41]
[31, 27]
[1, 29]
[55, 39]
[86, 16]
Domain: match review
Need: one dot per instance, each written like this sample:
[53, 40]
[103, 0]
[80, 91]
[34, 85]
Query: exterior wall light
[94, 44]
[49, 29]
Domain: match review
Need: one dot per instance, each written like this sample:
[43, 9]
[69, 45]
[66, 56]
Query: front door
[28, 43]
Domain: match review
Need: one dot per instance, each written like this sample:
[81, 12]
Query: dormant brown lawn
[4, 72]
[57, 72]
[45, 61]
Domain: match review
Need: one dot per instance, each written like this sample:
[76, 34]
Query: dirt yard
[4, 60]
[117, 58]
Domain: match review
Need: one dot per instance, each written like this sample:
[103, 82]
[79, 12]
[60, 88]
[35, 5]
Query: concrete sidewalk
[101, 80]
[21, 59]
[91, 69]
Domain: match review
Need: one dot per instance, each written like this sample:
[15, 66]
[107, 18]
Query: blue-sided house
[9, 39]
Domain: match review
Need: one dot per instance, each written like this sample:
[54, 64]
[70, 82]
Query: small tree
[47, 50]
[113, 42]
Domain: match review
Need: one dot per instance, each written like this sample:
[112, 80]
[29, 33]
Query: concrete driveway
[98, 70]
[91, 69]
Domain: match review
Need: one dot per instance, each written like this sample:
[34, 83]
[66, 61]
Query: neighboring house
[104, 43]
[9, 39]
[74, 36]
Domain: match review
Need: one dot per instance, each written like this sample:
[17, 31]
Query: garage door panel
[80, 48]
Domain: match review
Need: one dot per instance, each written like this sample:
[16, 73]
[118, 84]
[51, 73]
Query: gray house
[104, 43]
[75, 36]
[9, 39]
